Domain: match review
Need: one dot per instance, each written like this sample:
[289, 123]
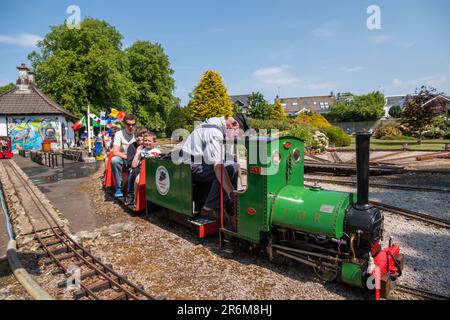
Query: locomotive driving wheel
[327, 275]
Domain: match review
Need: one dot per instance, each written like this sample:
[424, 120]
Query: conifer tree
[277, 111]
[210, 98]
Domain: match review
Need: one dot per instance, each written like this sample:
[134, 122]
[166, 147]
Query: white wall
[3, 127]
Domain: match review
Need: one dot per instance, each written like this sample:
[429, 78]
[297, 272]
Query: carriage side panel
[169, 185]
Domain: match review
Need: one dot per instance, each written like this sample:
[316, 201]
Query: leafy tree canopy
[6, 88]
[210, 98]
[419, 109]
[152, 76]
[77, 67]
[369, 107]
[258, 107]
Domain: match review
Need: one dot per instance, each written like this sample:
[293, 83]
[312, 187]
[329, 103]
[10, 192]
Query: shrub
[400, 137]
[258, 124]
[313, 119]
[303, 132]
[320, 141]
[387, 131]
[447, 134]
[337, 136]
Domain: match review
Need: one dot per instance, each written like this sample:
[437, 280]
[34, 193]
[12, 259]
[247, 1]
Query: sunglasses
[130, 125]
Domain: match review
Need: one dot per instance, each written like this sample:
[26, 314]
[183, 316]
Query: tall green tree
[420, 109]
[258, 107]
[6, 88]
[210, 98]
[151, 75]
[77, 67]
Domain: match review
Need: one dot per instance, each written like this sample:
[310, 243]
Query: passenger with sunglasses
[122, 140]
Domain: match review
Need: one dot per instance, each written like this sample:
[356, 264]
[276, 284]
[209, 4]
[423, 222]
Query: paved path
[62, 187]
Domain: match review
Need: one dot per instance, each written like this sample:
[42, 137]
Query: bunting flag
[113, 113]
[121, 116]
[79, 124]
[95, 120]
[117, 114]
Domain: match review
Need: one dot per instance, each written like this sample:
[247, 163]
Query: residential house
[319, 104]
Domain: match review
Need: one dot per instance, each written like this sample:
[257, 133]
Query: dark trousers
[205, 173]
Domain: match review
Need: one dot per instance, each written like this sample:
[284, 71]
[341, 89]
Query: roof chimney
[30, 76]
[23, 82]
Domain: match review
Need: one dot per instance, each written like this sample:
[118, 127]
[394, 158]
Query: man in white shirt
[203, 150]
[122, 139]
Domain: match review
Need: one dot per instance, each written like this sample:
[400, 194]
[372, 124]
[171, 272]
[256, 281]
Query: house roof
[241, 99]
[319, 104]
[30, 102]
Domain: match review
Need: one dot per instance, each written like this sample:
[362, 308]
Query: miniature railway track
[439, 222]
[335, 157]
[381, 185]
[350, 169]
[420, 293]
[97, 280]
[413, 214]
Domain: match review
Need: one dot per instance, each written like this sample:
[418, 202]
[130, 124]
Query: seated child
[131, 152]
[146, 150]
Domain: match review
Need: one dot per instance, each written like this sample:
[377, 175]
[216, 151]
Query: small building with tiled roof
[29, 117]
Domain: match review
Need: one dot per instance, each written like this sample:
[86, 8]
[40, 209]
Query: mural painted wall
[29, 132]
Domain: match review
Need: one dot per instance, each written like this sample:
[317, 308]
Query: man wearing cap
[203, 150]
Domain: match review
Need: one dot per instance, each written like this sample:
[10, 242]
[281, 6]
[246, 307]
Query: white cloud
[381, 39]
[276, 76]
[23, 40]
[328, 29]
[433, 81]
[407, 44]
[430, 80]
[352, 69]
[397, 82]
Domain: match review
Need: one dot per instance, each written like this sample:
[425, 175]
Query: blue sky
[296, 48]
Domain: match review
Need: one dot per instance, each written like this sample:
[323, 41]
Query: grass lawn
[437, 144]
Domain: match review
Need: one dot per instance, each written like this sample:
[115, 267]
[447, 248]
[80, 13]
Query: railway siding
[20, 205]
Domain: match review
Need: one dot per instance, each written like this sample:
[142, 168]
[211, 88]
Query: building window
[315, 103]
[295, 104]
[283, 104]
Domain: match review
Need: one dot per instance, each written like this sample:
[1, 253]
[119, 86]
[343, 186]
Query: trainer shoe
[118, 193]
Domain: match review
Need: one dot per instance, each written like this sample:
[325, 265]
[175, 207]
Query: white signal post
[89, 130]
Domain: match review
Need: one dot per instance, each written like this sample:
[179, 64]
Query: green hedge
[337, 136]
[258, 124]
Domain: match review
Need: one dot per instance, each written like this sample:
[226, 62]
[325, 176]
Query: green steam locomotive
[338, 234]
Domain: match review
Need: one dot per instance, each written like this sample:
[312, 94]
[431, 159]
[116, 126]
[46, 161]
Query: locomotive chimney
[362, 169]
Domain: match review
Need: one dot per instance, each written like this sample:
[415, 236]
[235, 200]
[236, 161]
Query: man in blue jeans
[122, 139]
